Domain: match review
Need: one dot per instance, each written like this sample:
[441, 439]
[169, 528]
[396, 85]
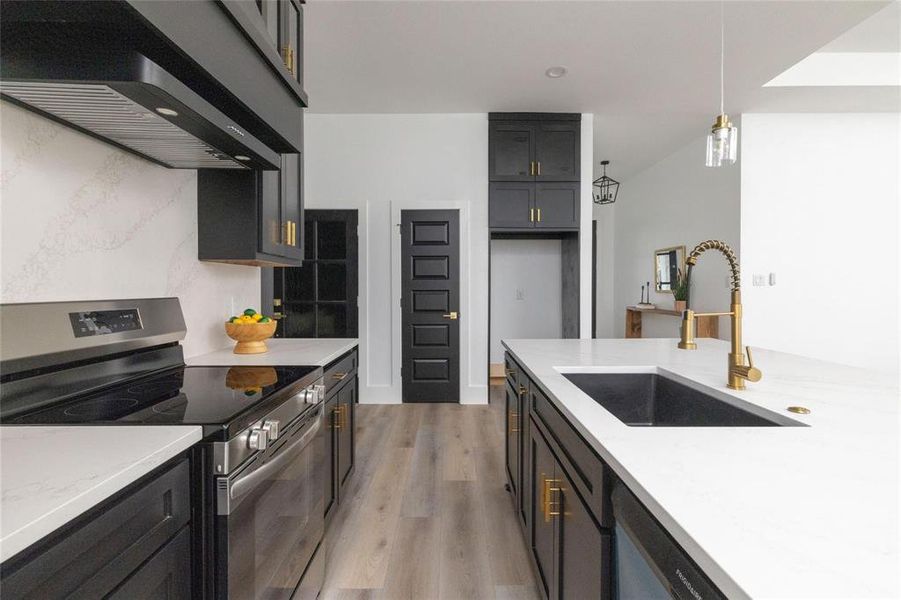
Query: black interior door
[430, 300]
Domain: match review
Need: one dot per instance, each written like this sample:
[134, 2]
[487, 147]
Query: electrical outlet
[772, 279]
[759, 280]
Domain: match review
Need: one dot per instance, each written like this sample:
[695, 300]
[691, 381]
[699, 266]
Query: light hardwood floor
[426, 514]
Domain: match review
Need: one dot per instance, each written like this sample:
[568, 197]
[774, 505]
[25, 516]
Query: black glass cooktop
[222, 399]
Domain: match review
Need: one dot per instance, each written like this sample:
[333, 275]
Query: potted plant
[680, 291]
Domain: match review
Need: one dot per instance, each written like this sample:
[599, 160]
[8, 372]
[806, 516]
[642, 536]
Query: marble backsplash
[82, 220]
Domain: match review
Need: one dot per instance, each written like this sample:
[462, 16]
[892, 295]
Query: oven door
[270, 515]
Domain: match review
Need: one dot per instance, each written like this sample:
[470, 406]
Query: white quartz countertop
[766, 512]
[282, 351]
[50, 475]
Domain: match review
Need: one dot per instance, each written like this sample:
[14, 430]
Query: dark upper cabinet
[511, 154]
[557, 150]
[534, 147]
[252, 217]
[557, 205]
[291, 46]
[511, 205]
[533, 169]
[519, 206]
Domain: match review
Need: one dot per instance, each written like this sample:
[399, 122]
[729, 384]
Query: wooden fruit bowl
[250, 336]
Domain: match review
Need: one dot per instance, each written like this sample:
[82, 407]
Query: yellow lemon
[257, 317]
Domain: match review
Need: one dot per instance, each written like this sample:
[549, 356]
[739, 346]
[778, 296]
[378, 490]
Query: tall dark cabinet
[533, 170]
[320, 298]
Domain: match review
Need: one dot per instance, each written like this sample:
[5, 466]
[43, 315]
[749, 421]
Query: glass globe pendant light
[722, 141]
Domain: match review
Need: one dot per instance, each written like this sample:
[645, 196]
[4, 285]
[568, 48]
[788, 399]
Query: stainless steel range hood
[126, 99]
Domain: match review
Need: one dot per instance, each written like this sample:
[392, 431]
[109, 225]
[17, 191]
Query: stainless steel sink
[650, 400]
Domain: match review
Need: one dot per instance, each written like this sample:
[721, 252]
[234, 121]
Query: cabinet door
[542, 474]
[512, 429]
[511, 205]
[272, 233]
[292, 205]
[557, 150]
[583, 548]
[291, 47]
[347, 397]
[331, 418]
[511, 151]
[557, 205]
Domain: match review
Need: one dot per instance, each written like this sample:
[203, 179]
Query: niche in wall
[534, 289]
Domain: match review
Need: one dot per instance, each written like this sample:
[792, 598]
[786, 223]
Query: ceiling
[647, 70]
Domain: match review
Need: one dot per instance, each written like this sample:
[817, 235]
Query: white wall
[585, 217]
[380, 164]
[526, 280]
[820, 198]
[82, 220]
[677, 201]
[606, 313]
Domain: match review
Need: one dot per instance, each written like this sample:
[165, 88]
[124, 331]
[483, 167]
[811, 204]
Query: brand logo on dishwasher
[687, 583]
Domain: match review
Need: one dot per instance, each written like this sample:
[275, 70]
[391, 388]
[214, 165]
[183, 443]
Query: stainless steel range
[260, 466]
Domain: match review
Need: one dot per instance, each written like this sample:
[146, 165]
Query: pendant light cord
[722, 56]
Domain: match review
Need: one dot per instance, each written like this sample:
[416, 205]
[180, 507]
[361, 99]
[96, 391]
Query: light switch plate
[759, 280]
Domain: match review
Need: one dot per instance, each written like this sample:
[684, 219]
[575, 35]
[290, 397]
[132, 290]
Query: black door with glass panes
[319, 299]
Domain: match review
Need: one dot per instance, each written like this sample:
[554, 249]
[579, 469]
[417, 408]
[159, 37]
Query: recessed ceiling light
[242, 157]
[556, 72]
[167, 111]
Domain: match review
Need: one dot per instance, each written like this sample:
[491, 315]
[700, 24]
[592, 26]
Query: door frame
[471, 392]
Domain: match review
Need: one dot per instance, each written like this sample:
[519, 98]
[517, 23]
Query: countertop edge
[314, 352]
[33, 532]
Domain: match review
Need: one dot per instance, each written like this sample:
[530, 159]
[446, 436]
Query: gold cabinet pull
[339, 376]
[531, 168]
[336, 418]
[508, 371]
[294, 233]
[538, 168]
[551, 507]
[539, 215]
[511, 422]
[522, 390]
[531, 215]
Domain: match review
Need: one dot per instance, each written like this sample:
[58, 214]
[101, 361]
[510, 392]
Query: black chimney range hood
[117, 94]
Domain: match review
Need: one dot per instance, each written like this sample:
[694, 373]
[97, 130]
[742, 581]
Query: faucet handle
[751, 373]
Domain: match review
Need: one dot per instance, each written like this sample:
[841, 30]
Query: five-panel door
[430, 305]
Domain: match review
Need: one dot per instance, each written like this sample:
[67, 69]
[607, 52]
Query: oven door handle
[240, 487]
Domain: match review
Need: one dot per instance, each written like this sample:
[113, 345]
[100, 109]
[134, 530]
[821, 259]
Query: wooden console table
[708, 327]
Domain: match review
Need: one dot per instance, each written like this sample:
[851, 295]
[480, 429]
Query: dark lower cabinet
[135, 546]
[571, 551]
[340, 409]
[560, 489]
[514, 440]
[166, 576]
[557, 205]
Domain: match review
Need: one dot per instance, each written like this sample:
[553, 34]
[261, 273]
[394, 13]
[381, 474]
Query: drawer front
[97, 556]
[340, 370]
[588, 472]
[166, 576]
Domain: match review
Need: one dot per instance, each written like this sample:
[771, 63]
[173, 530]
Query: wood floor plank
[425, 514]
[421, 494]
[464, 555]
[413, 572]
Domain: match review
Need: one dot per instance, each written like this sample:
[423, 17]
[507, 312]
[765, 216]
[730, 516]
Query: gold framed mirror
[667, 263]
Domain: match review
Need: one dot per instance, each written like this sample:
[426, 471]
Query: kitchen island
[790, 512]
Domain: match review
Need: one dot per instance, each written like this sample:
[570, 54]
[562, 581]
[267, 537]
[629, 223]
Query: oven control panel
[102, 322]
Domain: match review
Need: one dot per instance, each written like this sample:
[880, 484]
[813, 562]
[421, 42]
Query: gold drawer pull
[339, 376]
[548, 504]
[509, 371]
[512, 422]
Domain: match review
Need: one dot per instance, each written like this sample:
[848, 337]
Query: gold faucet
[738, 372]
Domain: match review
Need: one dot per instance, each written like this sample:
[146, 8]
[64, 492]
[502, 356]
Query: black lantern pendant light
[604, 189]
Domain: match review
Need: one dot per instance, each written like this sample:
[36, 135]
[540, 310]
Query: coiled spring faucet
[739, 371]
